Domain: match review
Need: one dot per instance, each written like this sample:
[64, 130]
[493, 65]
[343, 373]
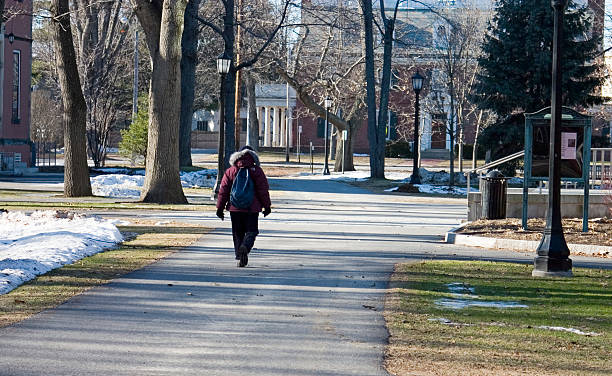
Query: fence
[7, 162]
[601, 167]
[46, 154]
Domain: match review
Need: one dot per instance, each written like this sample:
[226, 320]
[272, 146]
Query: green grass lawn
[491, 341]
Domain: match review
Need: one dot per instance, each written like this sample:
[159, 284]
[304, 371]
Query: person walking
[245, 228]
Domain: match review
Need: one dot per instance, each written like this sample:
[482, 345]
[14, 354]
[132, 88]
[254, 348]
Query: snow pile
[440, 177]
[129, 186]
[117, 185]
[31, 245]
[463, 297]
[199, 179]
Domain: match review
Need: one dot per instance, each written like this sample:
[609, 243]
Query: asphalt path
[309, 303]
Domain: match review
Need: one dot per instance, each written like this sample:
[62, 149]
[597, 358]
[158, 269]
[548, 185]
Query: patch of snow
[569, 330]
[463, 297]
[161, 223]
[442, 189]
[465, 303]
[515, 180]
[34, 244]
[392, 189]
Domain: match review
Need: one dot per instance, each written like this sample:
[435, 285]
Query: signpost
[344, 137]
[575, 153]
[299, 142]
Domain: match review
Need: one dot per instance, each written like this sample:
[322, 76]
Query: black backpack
[243, 190]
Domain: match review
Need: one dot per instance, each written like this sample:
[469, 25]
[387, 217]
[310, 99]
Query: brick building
[15, 81]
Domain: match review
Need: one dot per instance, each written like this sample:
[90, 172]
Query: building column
[275, 127]
[266, 126]
[290, 126]
[283, 127]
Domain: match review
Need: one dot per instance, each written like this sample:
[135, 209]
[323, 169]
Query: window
[202, 125]
[390, 130]
[16, 86]
[17, 157]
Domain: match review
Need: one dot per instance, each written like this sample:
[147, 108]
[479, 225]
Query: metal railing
[489, 165]
[7, 162]
[601, 167]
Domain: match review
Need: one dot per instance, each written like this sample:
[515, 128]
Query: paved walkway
[310, 302]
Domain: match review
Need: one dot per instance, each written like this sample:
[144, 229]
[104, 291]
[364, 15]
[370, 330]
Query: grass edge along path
[149, 244]
[429, 339]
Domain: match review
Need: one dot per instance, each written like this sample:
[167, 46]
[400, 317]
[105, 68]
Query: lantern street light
[417, 85]
[328, 104]
[223, 66]
[553, 253]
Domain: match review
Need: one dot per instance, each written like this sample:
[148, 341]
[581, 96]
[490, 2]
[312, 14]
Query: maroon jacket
[245, 158]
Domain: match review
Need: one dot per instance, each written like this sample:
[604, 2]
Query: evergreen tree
[133, 142]
[517, 58]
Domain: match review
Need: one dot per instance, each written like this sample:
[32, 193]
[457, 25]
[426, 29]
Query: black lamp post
[328, 103]
[223, 66]
[553, 254]
[417, 85]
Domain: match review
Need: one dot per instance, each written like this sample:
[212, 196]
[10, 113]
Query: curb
[518, 245]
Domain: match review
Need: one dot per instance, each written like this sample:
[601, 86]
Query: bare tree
[162, 21]
[76, 172]
[46, 122]
[101, 40]
[189, 62]
[377, 124]
[459, 35]
[327, 61]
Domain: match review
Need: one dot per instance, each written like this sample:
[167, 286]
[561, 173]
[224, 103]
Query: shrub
[398, 149]
[133, 142]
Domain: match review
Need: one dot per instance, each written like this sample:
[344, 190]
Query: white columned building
[275, 122]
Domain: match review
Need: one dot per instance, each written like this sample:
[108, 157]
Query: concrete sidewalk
[310, 302]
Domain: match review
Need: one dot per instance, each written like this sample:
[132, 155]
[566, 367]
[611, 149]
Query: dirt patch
[600, 230]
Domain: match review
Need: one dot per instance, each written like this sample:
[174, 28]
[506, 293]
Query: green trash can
[494, 187]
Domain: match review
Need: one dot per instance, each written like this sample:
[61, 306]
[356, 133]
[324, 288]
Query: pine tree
[133, 142]
[517, 58]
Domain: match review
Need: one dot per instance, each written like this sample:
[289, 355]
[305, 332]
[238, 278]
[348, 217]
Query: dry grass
[149, 244]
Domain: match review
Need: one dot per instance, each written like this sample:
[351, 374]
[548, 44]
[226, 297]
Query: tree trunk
[346, 148]
[230, 81]
[163, 25]
[474, 154]
[253, 126]
[376, 167]
[451, 132]
[76, 171]
[189, 61]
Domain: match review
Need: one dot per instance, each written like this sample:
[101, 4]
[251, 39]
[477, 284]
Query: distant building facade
[15, 145]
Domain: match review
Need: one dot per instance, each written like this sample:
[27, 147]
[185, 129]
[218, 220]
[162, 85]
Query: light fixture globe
[417, 81]
[328, 102]
[223, 63]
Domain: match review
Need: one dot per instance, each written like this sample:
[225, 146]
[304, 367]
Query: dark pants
[244, 229]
